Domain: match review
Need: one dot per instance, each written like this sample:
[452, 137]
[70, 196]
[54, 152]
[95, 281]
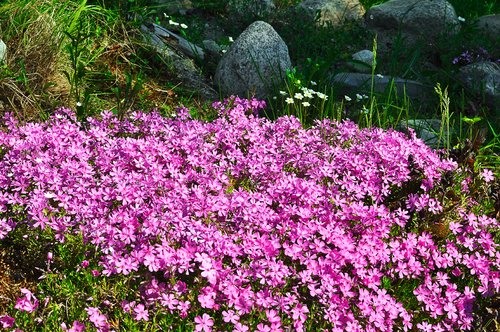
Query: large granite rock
[483, 79]
[414, 19]
[333, 12]
[257, 60]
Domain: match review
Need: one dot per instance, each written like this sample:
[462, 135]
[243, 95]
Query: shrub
[244, 222]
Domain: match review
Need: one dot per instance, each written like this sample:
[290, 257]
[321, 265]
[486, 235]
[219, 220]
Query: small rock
[428, 130]
[3, 51]
[257, 60]
[333, 12]
[364, 60]
[212, 47]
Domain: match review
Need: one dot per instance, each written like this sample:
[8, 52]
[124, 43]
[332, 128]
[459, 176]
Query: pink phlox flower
[299, 312]
[28, 303]
[487, 175]
[141, 313]
[99, 320]
[204, 323]
[238, 327]
[230, 316]
[273, 317]
[169, 301]
[6, 321]
[76, 327]
[263, 328]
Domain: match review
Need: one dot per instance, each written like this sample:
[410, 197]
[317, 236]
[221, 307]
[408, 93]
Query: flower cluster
[243, 218]
[471, 56]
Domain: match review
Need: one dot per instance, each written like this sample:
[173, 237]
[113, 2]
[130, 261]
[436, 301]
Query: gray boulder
[174, 7]
[333, 12]
[353, 83]
[483, 79]
[415, 19]
[257, 60]
[490, 24]
[255, 8]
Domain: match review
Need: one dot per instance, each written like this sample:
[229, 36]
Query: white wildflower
[184, 26]
[231, 39]
[289, 100]
[380, 76]
[308, 94]
[322, 95]
[298, 96]
[283, 93]
[173, 23]
[313, 83]
[306, 104]
[347, 98]
[461, 19]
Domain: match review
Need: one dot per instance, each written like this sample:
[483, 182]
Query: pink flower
[99, 320]
[6, 321]
[77, 327]
[230, 316]
[204, 323]
[140, 313]
[487, 175]
[28, 303]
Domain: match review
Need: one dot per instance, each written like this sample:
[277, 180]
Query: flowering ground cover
[243, 224]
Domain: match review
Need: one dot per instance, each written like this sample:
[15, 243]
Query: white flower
[322, 95]
[358, 97]
[298, 96]
[165, 15]
[365, 97]
[461, 19]
[347, 98]
[289, 100]
[78, 104]
[173, 23]
[274, 97]
[308, 94]
[184, 26]
[283, 93]
[231, 39]
[306, 104]
[224, 51]
[380, 76]
[313, 83]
